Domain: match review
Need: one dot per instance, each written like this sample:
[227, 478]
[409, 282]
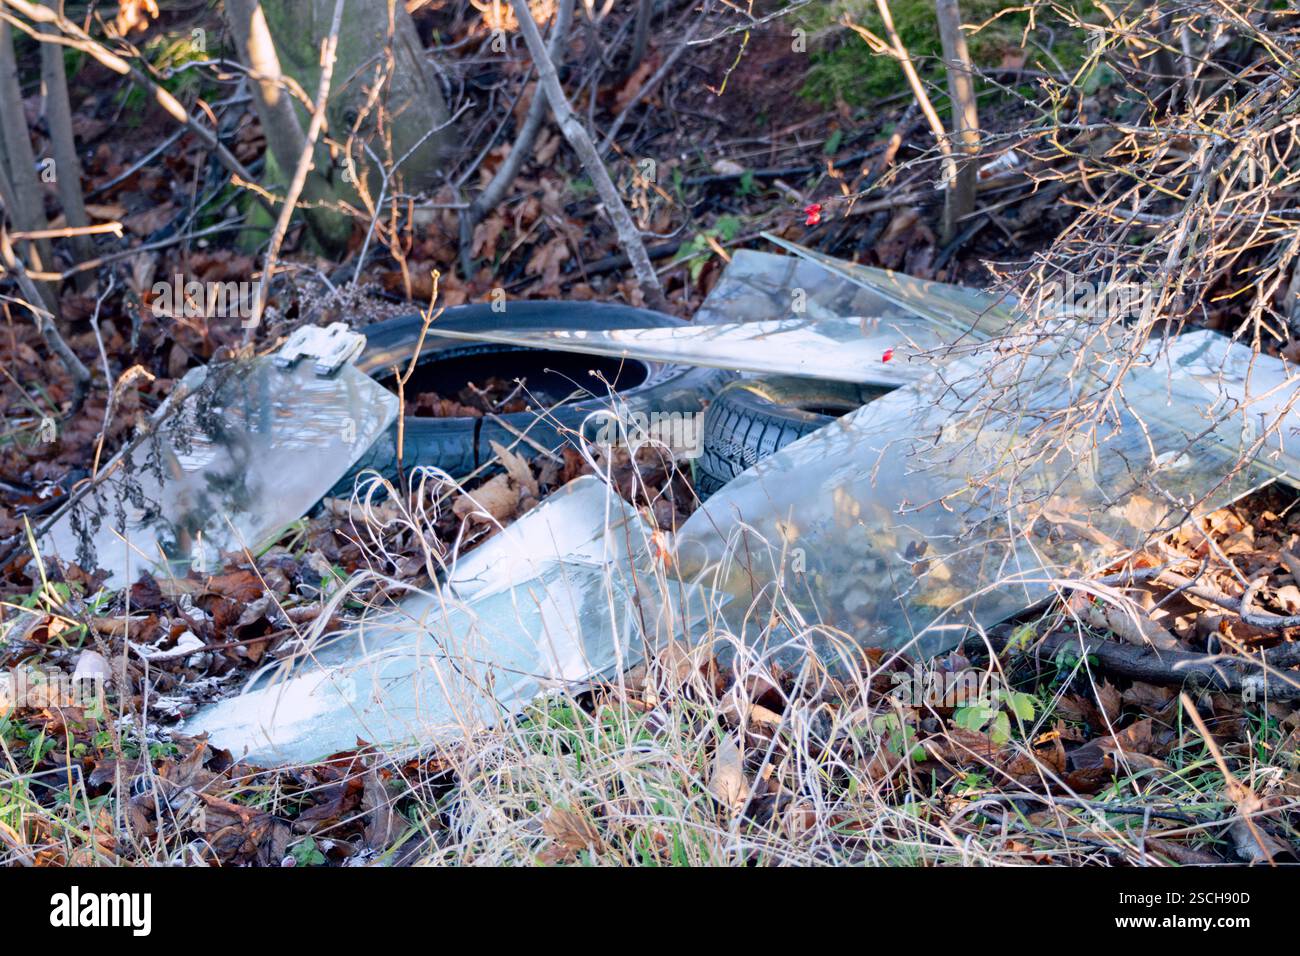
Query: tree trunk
[959, 201]
[63, 144]
[28, 212]
[22, 194]
[378, 44]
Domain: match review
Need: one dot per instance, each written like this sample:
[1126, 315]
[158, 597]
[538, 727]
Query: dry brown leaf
[1130, 622]
[381, 822]
[524, 101]
[516, 467]
[105, 210]
[572, 832]
[738, 707]
[546, 261]
[1110, 701]
[1073, 707]
[548, 144]
[1030, 767]
[632, 87]
[1137, 745]
[150, 221]
[1148, 697]
[727, 783]
[486, 234]
[496, 499]
[1253, 843]
[1288, 597]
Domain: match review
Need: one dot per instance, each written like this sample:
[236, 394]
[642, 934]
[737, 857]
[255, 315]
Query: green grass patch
[845, 69]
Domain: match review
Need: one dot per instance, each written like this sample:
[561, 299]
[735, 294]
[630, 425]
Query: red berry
[813, 212]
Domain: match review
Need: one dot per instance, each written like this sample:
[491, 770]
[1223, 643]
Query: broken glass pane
[248, 450]
[546, 603]
[959, 500]
[759, 286]
[953, 308]
[865, 351]
[815, 316]
[1259, 389]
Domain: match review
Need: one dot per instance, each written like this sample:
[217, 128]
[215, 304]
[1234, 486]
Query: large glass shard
[959, 500]
[1262, 391]
[957, 310]
[759, 286]
[549, 602]
[810, 315]
[248, 450]
[887, 350]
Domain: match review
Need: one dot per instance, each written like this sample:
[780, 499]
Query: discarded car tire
[460, 445]
[754, 418]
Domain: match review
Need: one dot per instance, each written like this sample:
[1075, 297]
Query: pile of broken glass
[239, 451]
[1011, 456]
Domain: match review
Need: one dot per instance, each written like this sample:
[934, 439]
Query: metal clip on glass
[332, 347]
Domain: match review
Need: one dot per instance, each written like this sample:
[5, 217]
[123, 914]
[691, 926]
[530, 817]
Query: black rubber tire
[460, 445]
[754, 418]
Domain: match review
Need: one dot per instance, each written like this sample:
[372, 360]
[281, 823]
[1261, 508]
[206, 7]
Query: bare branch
[67, 168]
[284, 133]
[329, 49]
[895, 49]
[1231, 673]
[71, 35]
[576, 134]
[959, 201]
[45, 321]
[22, 195]
[496, 188]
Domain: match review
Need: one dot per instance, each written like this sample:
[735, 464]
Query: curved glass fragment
[249, 450]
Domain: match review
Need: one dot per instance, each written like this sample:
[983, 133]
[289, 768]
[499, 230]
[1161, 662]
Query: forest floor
[688, 759]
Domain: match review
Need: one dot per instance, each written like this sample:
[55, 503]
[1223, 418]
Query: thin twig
[648, 87]
[522, 148]
[73, 36]
[328, 50]
[576, 134]
[428, 316]
[898, 51]
[45, 323]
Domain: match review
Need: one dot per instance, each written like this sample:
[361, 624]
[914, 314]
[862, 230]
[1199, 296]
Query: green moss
[844, 67]
[167, 52]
